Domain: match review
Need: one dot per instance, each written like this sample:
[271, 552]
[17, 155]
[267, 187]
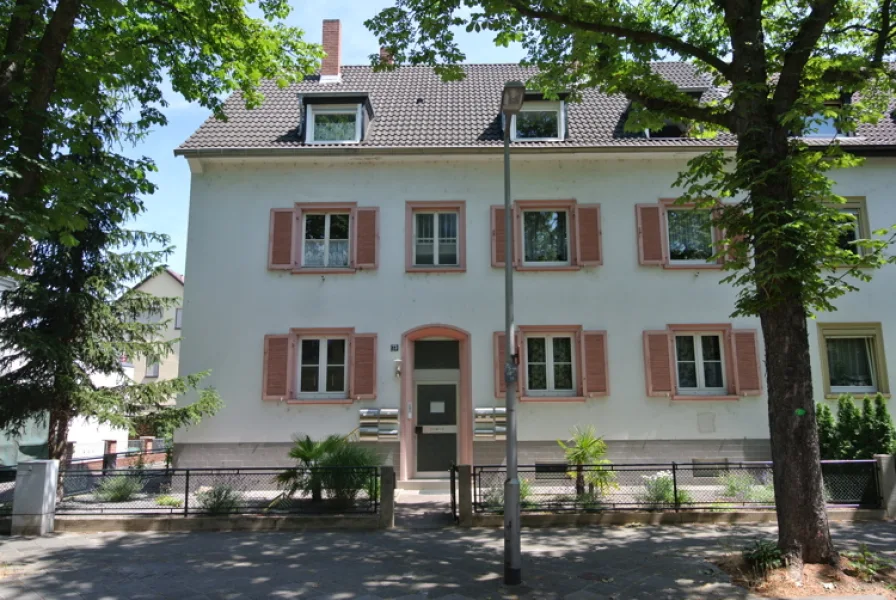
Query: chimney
[331, 67]
[385, 56]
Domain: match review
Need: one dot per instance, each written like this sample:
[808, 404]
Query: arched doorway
[432, 384]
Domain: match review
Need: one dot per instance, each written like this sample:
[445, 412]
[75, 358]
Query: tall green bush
[848, 422]
[885, 431]
[856, 434]
[827, 432]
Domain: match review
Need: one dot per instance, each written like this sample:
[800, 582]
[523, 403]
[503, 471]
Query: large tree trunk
[57, 437]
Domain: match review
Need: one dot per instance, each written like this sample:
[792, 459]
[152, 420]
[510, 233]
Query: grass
[169, 501]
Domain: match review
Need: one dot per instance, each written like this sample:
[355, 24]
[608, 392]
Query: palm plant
[587, 448]
[308, 454]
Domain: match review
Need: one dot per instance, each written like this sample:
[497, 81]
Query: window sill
[323, 271]
[552, 399]
[549, 268]
[435, 269]
[699, 398]
[692, 267]
[321, 401]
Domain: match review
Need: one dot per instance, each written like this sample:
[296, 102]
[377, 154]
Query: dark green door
[436, 427]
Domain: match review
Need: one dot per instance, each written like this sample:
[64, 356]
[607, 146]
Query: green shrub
[170, 501]
[342, 474]
[219, 500]
[737, 485]
[763, 556]
[119, 488]
[855, 434]
[660, 490]
[494, 498]
[866, 564]
[764, 494]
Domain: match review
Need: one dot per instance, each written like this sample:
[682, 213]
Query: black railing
[672, 486]
[454, 493]
[320, 490]
[7, 489]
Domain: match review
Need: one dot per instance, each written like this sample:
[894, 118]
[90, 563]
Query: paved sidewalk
[621, 563]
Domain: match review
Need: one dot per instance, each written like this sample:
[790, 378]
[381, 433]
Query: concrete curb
[134, 524]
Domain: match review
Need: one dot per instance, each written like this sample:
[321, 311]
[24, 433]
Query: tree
[68, 63]
[586, 448]
[827, 434]
[74, 315]
[868, 431]
[781, 64]
[848, 426]
[885, 433]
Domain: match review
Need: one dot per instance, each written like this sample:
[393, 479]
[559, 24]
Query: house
[166, 284]
[346, 252]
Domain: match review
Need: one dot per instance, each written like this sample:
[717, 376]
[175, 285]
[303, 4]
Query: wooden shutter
[280, 241]
[746, 362]
[650, 234]
[596, 374]
[277, 379]
[498, 234]
[658, 363]
[500, 359]
[589, 235]
[367, 233]
[363, 366]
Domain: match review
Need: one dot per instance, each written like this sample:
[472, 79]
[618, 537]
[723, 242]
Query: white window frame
[701, 389]
[691, 261]
[550, 392]
[312, 110]
[178, 318]
[326, 239]
[436, 239]
[542, 106]
[322, 369]
[553, 263]
[152, 368]
[870, 350]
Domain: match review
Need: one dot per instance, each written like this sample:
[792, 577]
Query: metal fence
[320, 490]
[7, 489]
[559, 487]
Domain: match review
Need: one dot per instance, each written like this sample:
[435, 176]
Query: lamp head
[512, 97]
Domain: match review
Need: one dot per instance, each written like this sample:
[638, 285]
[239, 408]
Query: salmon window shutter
[280, 243]
[746, 362]
[589, 234]
[658, 363]
[363, 366]
[498, 233]
[596, 374]
[650, 234]
[367, 233]
[500, 359]
[278, 353]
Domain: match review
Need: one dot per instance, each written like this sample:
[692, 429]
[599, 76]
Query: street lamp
[511, 102]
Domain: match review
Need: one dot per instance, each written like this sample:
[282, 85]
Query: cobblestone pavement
[566, 564]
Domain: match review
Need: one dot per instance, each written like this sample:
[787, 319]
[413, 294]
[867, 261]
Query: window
[436, 239]
[152, 366]
[852, 357]
[699, 363]
[690, 235]
[545, 237]
[322, 368]
[550, 367]
[333, 124]
[855, 228]
[178, 318]
[670, 129]
[325, 240]
[539, 121]
[821, 124]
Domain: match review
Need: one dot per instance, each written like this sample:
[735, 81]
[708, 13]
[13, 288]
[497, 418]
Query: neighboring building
[167, 284]
[346, 256]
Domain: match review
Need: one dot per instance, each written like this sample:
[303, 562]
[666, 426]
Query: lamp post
[511, 102]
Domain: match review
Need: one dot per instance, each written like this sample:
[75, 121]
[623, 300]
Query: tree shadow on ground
[606, 562]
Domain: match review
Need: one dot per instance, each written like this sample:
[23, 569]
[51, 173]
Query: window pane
[562, 350]
[535, 351]
[424, 254]
[315, 227]
[313, 255]
[335, 379]
[311, 352]
[849, 362]
[335, 352]
[712, 347]
[545, 237]
[334, 128]
[687, 375]
[849, 230]
[712, 374]
[562, 377]
[338, 256]
[538, 379]
[448, 253]
[448, 226]
[537, 124]
[690, 234]
[309, 379]
[424, 226]
[338, 227]
[684, 347]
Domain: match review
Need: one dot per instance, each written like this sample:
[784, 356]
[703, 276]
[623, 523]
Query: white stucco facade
[234, 300]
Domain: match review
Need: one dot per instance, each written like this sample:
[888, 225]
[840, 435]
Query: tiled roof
[414, 108]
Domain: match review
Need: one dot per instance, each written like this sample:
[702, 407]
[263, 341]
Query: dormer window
[539, 121]
[333, 123]
[670, 129]
[821, 125]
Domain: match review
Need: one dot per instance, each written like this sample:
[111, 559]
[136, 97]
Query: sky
[167, 209]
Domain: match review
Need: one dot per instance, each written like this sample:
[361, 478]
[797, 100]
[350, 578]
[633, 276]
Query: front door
[436, 429]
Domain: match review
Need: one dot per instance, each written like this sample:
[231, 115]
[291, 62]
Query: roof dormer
[336, 117]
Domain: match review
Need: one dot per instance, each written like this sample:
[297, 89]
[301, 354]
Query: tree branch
[686, 111]
[20, 23]
[884, 34]
[668, 42]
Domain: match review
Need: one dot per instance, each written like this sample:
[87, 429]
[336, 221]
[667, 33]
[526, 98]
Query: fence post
[886, 481]
[465, 495]
[186, 491]
[675, 484]
[387, 497]
[34, 498]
